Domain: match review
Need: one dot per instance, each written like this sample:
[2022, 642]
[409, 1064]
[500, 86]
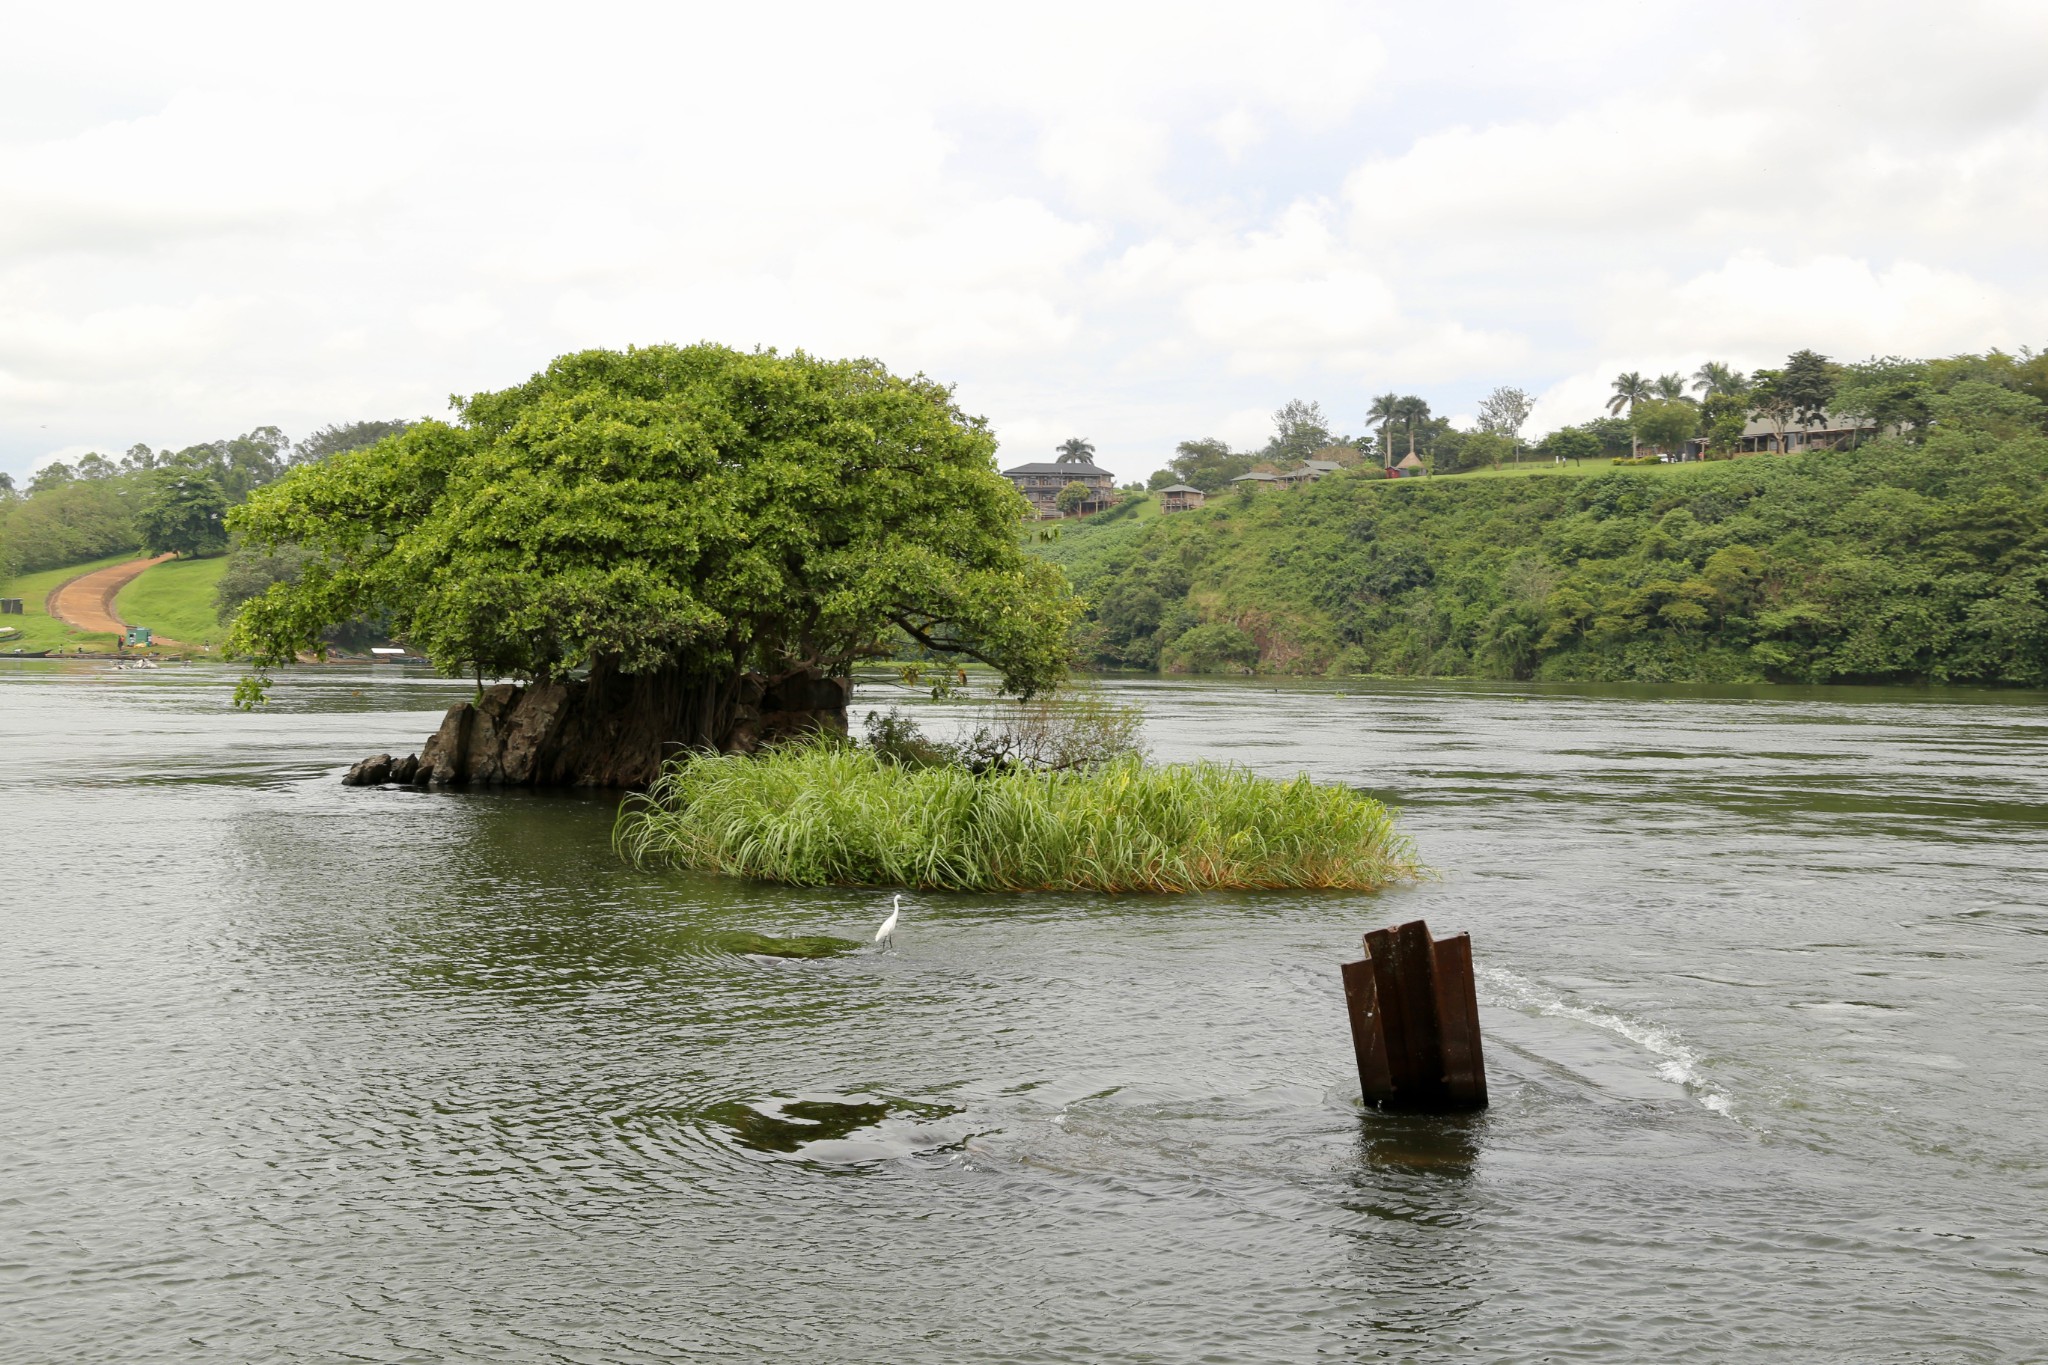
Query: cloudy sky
[1136, 223]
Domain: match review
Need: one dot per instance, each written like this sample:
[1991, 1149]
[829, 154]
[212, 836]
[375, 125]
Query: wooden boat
[25, 654]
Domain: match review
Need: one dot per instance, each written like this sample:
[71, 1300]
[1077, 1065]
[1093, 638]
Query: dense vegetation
[678, 513]
[159, 500]
[1904, 560]
[816, 815]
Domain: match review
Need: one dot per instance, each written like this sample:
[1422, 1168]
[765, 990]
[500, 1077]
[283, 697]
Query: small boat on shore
[25, 654]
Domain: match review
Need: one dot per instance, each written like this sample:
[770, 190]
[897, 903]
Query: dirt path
[87, 601]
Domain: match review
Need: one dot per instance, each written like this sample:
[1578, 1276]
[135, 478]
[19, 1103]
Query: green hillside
[39, 630]
[175, 599]
[1896, 562]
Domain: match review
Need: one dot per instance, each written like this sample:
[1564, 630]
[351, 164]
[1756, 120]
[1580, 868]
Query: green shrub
[829, 815]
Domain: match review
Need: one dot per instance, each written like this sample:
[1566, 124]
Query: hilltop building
[1180, 497]
[1041, 483]
[1832, 431]
[1308, 471]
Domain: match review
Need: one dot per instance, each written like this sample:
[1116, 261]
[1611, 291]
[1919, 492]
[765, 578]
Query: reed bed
[835, 816]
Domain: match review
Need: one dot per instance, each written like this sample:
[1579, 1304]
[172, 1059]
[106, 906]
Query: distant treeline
[1715, 405]
[156, 500]
[1922, 556]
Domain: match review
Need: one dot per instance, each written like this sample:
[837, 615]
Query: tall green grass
[814, 815]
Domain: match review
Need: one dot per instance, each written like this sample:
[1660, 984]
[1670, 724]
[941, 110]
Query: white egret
[888, 929]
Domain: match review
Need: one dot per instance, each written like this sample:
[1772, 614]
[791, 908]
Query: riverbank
[1890, 563]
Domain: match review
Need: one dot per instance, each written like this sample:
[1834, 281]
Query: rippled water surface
[294, 1072]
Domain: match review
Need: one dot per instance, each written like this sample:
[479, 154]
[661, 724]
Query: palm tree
[1411, 410]
[1672, 386]
[1386, 410]
[1714, 378]
[1076, 450]
[1629, 390]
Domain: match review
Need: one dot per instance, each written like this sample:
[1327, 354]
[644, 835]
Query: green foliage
[1717, 380]
[1887, 392]
[1629, 389]
[694, 508]
[1299, 431]
[1570, 443]
[1219, 647]
[1724, 433]
[1457, 450]
[68, 521]
[1807, 384]
[1207, 464]
[1665, 423]
[1070, 498]
[93, 508]
[183, 513]
[1981, 407]
[250, 572]
[1504, 411]
[1897, 561]
[1613, 434]
[344, 436]
[819, 815]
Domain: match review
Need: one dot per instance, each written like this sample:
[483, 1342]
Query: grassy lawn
[175, 599]
[38, 629]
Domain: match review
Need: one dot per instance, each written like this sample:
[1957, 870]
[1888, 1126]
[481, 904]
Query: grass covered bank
[40, 630]
[816, 815]
[176, 600]
[1894, 563]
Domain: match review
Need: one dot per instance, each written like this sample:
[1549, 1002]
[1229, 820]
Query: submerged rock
[382, 768]
[370, 772]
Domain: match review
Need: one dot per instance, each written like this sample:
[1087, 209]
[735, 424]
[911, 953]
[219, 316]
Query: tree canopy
[691, 508]
[183, 513]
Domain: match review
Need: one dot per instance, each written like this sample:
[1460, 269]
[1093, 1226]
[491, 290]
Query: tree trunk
[614, 729]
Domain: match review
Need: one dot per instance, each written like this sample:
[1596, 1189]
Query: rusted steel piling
[1415, 1021]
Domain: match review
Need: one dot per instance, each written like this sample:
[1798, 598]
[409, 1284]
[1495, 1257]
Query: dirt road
[87, 601]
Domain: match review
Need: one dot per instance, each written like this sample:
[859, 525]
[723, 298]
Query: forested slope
[1896, 562]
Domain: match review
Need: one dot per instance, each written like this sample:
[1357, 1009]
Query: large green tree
[1503, 412]
[689, 514]
[1299, 431]
[183, 513]
[1808, 383]
[1208, 464]
[1666, 423]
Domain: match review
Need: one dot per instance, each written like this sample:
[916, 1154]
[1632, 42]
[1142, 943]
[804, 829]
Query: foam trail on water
[1676, 1062]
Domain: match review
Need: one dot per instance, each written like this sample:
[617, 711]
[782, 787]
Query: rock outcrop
[608, 730]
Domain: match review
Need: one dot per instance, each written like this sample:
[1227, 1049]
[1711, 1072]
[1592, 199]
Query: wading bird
[888, 929]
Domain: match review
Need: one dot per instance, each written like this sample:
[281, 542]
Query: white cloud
[1138, 222]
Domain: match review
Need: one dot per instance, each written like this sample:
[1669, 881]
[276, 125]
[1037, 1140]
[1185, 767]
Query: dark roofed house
[1180, 497]
[1833, 431]
[1041, 483]
[1308, 471]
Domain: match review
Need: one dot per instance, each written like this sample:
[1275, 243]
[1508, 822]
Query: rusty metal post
[1415, 1021]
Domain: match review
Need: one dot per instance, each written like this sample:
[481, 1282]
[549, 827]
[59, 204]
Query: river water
[294, 1072]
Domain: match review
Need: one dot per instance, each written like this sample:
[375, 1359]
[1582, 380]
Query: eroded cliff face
[609, 730]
